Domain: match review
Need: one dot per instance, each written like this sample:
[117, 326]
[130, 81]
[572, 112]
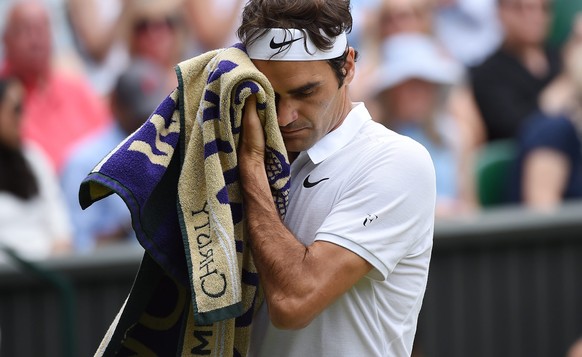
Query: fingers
[253, 139]
[250, 111]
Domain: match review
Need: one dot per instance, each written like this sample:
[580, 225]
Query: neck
[346, 108]
[29, 78]
[532, 57]
[292, 155]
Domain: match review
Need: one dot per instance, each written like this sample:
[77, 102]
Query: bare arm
[299, 281]
[85, 21]
[467, 117]
[545, 176]
[211, 31]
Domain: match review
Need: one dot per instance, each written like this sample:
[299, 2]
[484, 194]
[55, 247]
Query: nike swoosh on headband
[274, 45]
[279, 44]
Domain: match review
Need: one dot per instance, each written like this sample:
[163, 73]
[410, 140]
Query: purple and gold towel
[197, 288]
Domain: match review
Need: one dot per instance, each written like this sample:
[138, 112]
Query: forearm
[299, 281]
[281, 260]
[210, 30]
[85, 19]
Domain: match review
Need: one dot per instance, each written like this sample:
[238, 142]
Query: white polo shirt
[371, 191]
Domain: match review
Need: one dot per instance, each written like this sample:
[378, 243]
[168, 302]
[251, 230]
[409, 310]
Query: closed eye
[305, 90]
[304, 94]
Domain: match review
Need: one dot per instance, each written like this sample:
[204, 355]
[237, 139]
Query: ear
[350, 66]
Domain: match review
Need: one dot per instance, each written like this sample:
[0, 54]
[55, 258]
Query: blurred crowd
[459, 76]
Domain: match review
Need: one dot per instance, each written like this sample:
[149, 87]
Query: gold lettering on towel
[212, 282]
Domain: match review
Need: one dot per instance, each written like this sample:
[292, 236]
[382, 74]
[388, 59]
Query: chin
[293, 146]
[298, 143]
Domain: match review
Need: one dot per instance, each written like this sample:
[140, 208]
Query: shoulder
[98, 143]
[390, 147]
[390, 159]
[77, 89]
[489, 66]
[42, 167]
[556, 132]
[88, 151]
[69, 81]
[543, 123]
[37, 158]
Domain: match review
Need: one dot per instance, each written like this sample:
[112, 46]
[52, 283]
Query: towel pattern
[197, 288]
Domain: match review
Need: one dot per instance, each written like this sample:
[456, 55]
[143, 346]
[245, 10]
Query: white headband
[292, 45]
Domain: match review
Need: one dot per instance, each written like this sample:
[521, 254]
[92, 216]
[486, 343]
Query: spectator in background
[507, 85]
[135, 96]
[550, 142]
[161, 30]
[151, 29]
[59, 109]
[65, 55]
[394, 17]
[412, 89]
[103, 52]
[33, 217]
[389, 18]
[157, 33]
[398, 16]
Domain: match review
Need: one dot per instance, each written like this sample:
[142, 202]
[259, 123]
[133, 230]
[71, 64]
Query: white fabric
[410, 55]
[469, 29]
[293, 45]
[32, 227]
[378, 201]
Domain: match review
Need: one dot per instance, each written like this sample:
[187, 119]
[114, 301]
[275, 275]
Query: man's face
[309, 102]
[155, 38]
[526, 22]
[396, 100]
[397, 16]
[28, 39]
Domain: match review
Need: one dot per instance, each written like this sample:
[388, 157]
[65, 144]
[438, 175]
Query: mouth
[290, 131]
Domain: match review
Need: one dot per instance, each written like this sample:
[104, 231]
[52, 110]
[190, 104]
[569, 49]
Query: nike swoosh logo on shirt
[274, 45]
[308, 184]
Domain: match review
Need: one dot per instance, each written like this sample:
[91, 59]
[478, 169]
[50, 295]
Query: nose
[286, 112]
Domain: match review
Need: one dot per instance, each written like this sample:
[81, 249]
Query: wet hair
[333, 17]
[16, 175]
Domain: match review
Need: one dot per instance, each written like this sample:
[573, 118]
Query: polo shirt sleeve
[385, 212]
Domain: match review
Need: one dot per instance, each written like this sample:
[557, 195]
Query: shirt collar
[339, 137]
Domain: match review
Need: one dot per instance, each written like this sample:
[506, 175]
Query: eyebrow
[304, 88]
